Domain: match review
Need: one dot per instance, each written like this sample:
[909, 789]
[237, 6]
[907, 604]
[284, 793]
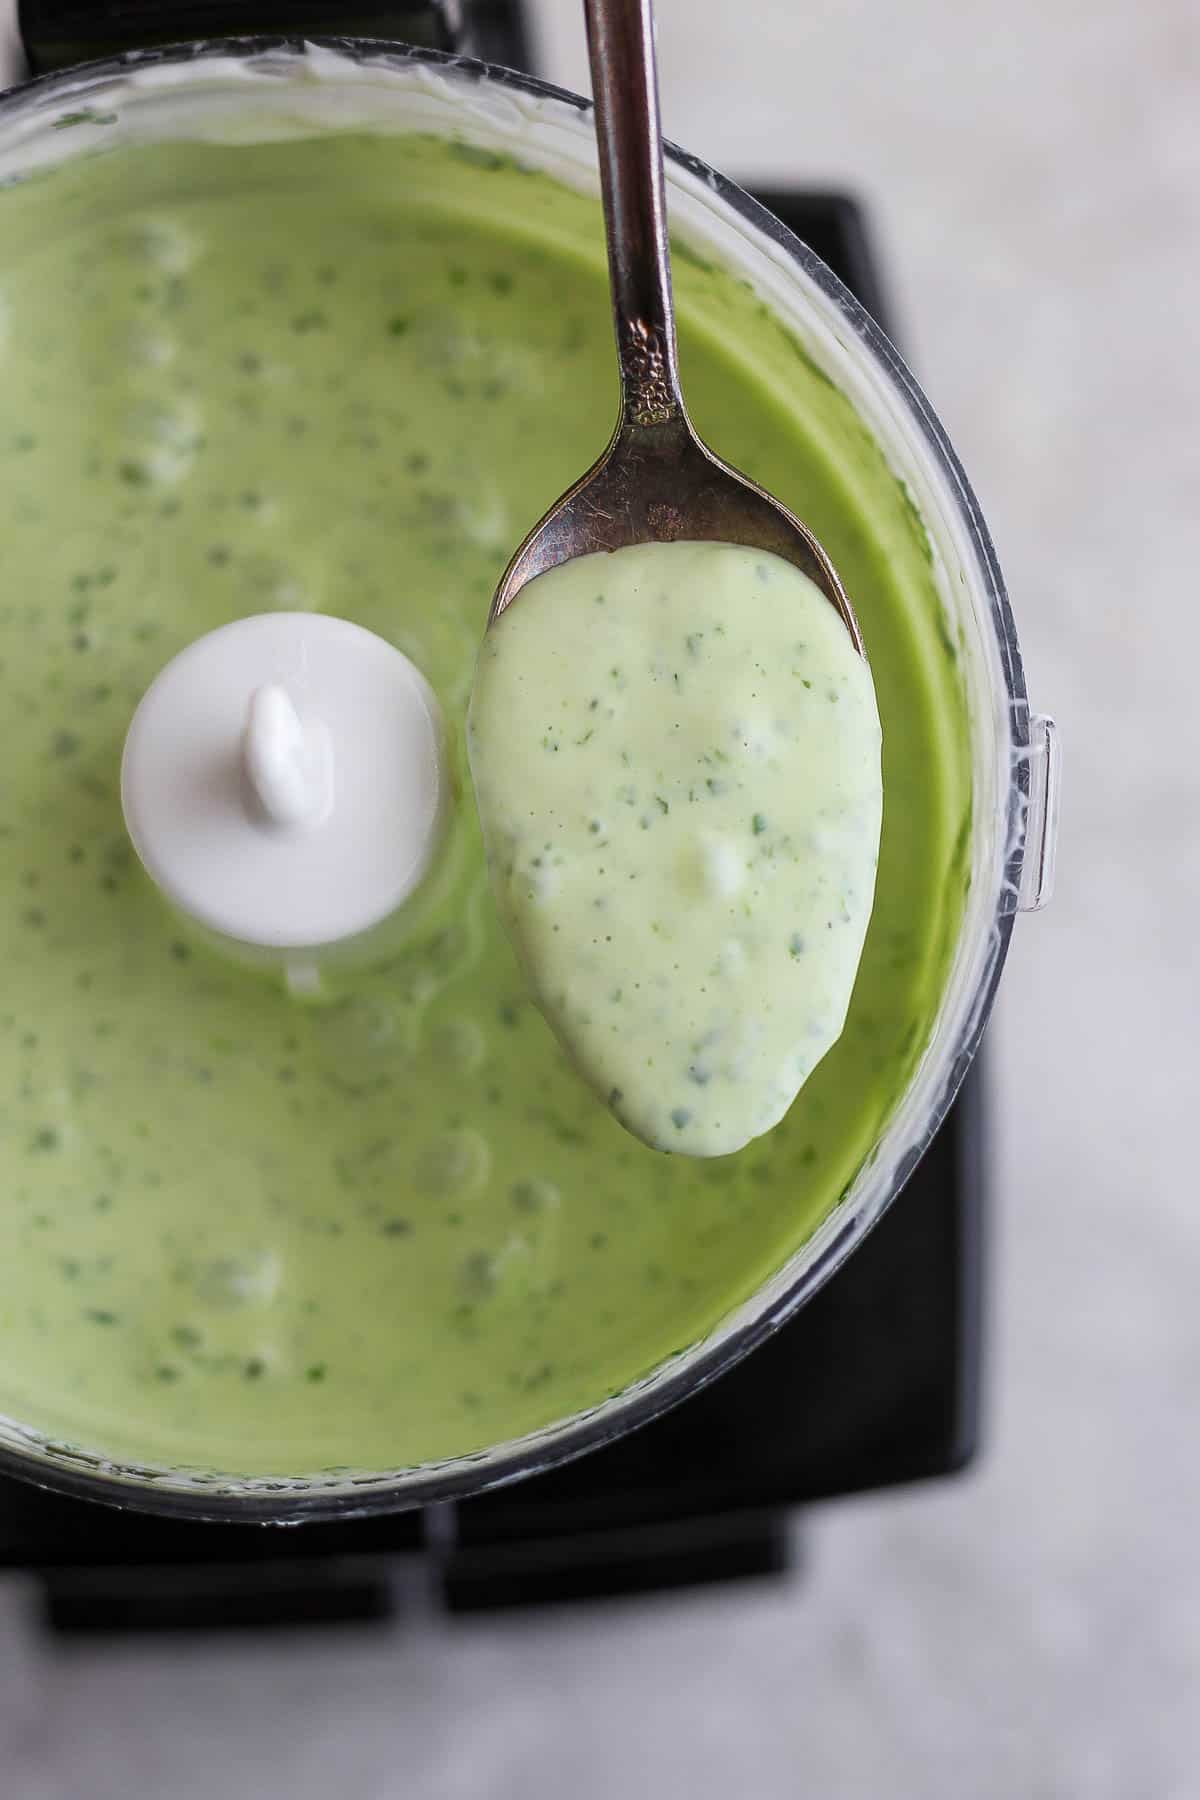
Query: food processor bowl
[240, 90]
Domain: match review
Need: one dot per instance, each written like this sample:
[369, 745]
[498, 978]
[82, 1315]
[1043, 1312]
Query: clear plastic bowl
[260, 87]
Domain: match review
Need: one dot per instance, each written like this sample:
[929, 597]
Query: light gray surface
[1030, 1633]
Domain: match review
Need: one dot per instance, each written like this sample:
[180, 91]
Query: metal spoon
[657, 481]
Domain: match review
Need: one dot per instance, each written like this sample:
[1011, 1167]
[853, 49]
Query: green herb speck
[476, 156]
[85, 115]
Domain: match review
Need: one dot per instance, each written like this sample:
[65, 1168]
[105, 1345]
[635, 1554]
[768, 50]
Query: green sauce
[346, 374]
[676, 757]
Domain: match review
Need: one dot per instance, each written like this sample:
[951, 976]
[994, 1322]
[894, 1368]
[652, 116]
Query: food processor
[225, 84]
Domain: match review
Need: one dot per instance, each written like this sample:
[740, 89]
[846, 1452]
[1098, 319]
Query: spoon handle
[620, 37]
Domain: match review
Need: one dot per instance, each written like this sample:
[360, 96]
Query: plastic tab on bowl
[1041, 820]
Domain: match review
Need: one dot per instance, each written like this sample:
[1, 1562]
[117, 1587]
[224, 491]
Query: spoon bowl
[657, 482]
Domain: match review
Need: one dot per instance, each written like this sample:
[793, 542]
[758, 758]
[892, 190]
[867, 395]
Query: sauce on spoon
[676, 754]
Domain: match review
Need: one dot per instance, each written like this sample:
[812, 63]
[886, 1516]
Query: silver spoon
[657, 481]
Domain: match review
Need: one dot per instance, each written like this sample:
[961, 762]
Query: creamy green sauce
[236, 1231]
[676, 756]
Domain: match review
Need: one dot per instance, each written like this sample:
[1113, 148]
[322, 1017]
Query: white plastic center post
[285, 783]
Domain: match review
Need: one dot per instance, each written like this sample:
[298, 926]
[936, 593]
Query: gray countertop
[1033, 1631]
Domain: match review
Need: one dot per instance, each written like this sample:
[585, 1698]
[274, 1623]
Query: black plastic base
[611, 1564]
[59, 33]
[109, 1601]
[343, 1590]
